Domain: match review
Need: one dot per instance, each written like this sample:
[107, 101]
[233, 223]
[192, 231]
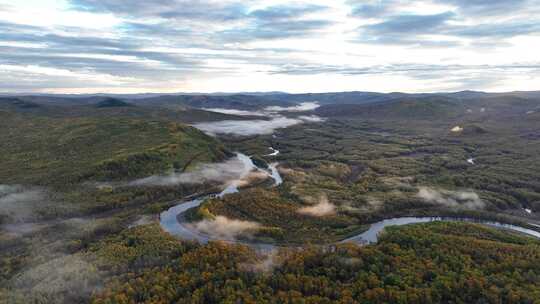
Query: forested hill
[70, 163]
[429, 263]
[72, 150]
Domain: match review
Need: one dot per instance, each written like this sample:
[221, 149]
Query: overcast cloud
[82, 46]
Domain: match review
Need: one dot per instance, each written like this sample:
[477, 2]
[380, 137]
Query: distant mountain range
[331, 97]
[364, 104]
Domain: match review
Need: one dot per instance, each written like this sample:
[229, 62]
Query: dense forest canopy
[428, 263]
[84, 182]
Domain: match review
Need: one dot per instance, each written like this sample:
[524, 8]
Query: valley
[111, 200]
[269, 152]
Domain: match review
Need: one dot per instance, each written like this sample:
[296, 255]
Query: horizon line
[3, 94]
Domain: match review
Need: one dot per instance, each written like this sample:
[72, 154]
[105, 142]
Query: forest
[428, 263]
[83, 186]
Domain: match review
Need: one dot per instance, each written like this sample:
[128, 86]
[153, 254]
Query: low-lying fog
[226, 171]
[19, 203]
[259, 126]
[232, 173]
[452, 199]
[224, 228]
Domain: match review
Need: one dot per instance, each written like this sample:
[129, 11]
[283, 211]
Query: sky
[166, 46]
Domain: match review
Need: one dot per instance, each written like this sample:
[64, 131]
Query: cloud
[141, 221]
[35, 58]
[167, 9]
[487, 7]
[322, 208]
[276, 30]
[311, 118]
[241, 22]
[255, 127]
[451, 77]
[411, 69]
[19, 203]
[495, 30]
[305, 106]
[143, 50]
[203, 10]
[365, 9]
[266, 262]
[222, 227]
[70, 276]
[232, 45]
[452, 199]
[236, 112]
[287, 12]
[397, 21]
[20, 229]
[470, 8]
[9, 189]
[5, 7]
[77, 50]
[271, 111]
[229, 170]
[410, 24]
[230, 21]
[282, 21]
[408, 29]
[18, 197]
[247, 127]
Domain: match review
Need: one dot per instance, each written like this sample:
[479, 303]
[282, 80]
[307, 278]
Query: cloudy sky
[125, 46]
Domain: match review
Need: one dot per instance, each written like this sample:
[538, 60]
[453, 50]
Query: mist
[18, 202]
[303, 107]
[225, 228]
[311, 118]
[231, 169]
[258, 126]
[268, 111]
[253, 127]
[236, 112]
[141, 220]
[71, 276]
[452, 199]
[247, 127]
[322, 208]
[265, 263]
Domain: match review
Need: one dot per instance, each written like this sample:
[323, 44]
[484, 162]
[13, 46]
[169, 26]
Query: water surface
[371, 235]
[173, 220]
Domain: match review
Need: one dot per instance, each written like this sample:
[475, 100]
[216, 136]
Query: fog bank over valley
[276, 120]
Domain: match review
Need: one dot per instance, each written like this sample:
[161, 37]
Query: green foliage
[136, 248]
[112, 102]
[60, 151]
[280, 217]
[428, 263]
[375, 163]
[369, 162]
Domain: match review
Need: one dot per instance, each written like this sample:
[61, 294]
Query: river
[371, 235]
[173, 220]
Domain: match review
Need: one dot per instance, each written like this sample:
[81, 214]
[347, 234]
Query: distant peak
[112, 103]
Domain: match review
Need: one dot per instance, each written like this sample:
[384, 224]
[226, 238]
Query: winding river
[371, 235]
[173, 220]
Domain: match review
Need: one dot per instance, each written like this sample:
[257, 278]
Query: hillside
[404, 108]
[60, 150]
[429, 263]
[235, 101]
[111, 103]
[66, 159]
[87, 184]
